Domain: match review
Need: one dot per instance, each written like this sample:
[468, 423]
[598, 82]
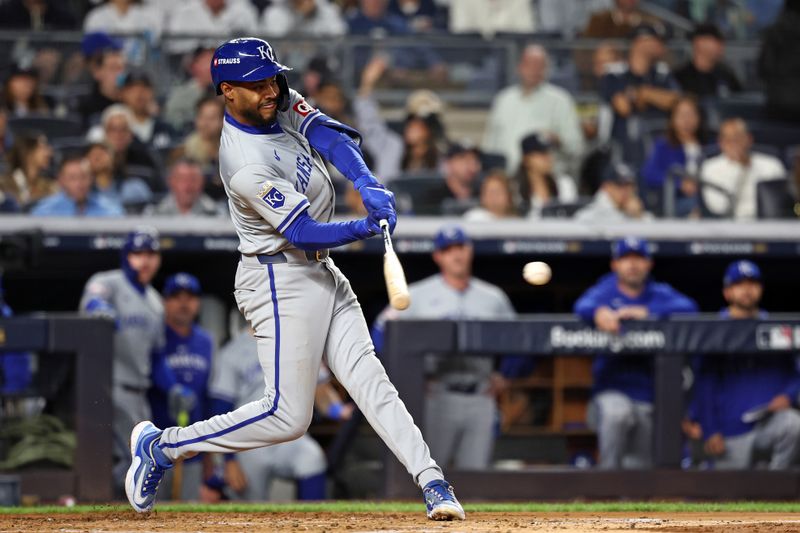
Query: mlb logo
[272, 196]
[774, 337]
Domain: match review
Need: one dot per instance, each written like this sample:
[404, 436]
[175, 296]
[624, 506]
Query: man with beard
[745, 408]
[621, 409]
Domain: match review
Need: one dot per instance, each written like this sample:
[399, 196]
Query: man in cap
[137, 94]
[126, 296]
[616, 200]
[621, 409]
[460, 409]
[181, 371]
[744, 409]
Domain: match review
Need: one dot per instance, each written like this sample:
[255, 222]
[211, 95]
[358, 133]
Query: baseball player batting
[297, 301]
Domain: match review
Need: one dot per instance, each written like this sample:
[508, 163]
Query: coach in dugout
[621, 409]
[744, 408]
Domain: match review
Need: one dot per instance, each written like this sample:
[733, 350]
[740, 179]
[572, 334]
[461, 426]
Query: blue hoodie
[631, 375]
[727, 387]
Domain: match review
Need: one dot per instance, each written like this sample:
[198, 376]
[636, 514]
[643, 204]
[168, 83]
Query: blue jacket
[184, 360]
[61, 205]
[663, 157]
[727, 387]
[631, 375]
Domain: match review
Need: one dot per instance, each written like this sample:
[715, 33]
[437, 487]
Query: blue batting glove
[375, 217]
[376, 197]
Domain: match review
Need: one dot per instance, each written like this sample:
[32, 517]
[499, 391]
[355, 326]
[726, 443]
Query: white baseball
[537, 273]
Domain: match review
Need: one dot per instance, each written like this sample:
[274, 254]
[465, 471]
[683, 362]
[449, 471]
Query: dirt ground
[400, 522]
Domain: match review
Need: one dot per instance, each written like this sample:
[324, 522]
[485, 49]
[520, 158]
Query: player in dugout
[621, 409]
[744, 408]
[181, 371]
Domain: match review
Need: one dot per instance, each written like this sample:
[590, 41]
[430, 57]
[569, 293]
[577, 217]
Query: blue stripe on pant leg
[274, 407]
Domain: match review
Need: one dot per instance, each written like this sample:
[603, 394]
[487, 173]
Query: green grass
[407, 507]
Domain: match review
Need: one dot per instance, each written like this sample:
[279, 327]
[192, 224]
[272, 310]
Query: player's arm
[97, 299]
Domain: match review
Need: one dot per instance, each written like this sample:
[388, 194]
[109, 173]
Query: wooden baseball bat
[177, 469]
[396, 285]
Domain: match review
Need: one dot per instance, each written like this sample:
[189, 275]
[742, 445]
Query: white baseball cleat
[144, 474]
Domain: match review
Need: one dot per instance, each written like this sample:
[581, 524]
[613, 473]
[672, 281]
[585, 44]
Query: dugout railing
[88, 342]
[668, 342]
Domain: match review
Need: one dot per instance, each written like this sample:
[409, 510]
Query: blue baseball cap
[739, 271]
[181, 282]
[450, 235]
[98, 41]
[630, 245]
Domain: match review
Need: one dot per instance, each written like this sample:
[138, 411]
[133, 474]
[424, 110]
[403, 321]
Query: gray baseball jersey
[432, 298]
[140, 323]
[302, 311]
[272, 177]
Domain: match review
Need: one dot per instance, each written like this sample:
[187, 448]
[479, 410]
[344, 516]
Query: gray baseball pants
[302, 311]
[624, 430]
[777, 437]
[460, 428]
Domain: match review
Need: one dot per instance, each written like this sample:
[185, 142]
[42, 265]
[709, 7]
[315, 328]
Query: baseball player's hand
[234, 476]
[180, 399]
[715, 445]
[633, 312]
[779, 403]
[373, 220]
[376, 197]
[606, 319]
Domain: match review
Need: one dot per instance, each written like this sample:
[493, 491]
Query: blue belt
[280, 257]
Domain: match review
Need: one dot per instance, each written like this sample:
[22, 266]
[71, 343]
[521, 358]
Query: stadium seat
[52, 127]
[412, 193]
[491, 161]
[773, 200]
[564, 209]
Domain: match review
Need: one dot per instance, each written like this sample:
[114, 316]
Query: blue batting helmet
[249, 59]
[140, 240]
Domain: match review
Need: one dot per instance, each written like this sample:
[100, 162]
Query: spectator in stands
[705, 75]
[26, 180]
[643, 87]
[6, 139]
[421, 16]
[303, 18]
[678, 155]
[566, 17]
[21, 95]
[124, 16]
[488, 17]
[745, 408]
[538, 183]
[779, 64]
[534, 105]
[202, 145]
[728, 181]
[185, 181]
[213, 18]
[179, 111]
[130, 191]
[616, 201]
[621, 408]
[459, 188]
[137, 94]
[106, 67]
[131, 157]
[619, 21]
[76, 197]
[37, 15]
[374, 19]
[496, 199]
[460, 406]
[421, 153]
[384, 145]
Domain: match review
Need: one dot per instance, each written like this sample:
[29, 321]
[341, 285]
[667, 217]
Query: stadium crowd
[94, 133]
[664, 141]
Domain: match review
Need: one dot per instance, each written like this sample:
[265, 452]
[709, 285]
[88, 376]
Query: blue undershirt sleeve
[342, 151]
[307, 234]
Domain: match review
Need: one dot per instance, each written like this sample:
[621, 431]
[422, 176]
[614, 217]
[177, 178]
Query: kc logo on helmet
[272, 196]
[266, 52]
